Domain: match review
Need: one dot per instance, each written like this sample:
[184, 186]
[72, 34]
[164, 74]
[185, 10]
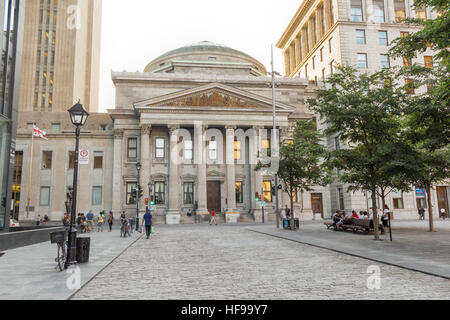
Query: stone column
[118, 195]
[146, 131]
[232, 215]
[257, 212]
[326, 6]
[200, 161]
[292, 57]
[287, 63]
[311, 33]
[173, 215]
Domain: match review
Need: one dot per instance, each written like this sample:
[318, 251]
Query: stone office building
[196, 119]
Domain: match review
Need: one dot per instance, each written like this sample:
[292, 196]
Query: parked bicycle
[60, 238]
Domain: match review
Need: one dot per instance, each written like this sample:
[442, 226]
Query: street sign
[420, 192]
[153, 207]
[83, 157]
[263, 204]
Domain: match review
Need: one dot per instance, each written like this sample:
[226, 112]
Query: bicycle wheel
[61, 258]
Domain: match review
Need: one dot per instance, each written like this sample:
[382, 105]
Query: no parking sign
[84, 157]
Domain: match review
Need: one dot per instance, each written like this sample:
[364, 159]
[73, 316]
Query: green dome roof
[199, 48]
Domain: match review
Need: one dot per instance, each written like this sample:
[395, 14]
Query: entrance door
[213, 200]
[317, 203]
[442, 199]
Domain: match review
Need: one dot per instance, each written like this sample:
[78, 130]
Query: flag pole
[30, 172]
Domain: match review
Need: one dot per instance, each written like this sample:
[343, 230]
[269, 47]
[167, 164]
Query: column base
[317, 216]
[201, 215]
[232, 216]
[173, 217]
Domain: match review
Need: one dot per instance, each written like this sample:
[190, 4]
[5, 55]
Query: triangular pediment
[215, 95]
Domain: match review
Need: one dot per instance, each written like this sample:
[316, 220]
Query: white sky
[135, 32]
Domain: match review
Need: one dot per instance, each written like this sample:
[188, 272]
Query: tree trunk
[375, 214]
[292, 211]
[430, 208]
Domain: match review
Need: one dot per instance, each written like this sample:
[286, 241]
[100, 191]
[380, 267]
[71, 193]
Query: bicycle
[60, 238]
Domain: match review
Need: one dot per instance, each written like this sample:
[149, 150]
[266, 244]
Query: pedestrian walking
[90, 221]
[443, 213]
[100, 221]
[124, 225]
[213, 217]
[421, 213]
[147, 222]
[110, 220]
[385, 217]
[287, 212]
[38, 220]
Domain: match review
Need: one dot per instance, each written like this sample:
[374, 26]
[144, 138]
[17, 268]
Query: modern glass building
[11, 39]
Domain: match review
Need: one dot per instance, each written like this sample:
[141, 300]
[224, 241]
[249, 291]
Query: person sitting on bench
[337, 219]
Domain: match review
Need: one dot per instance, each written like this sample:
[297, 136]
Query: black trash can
[83, 248]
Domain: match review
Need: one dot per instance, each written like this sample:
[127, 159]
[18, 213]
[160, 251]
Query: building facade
[197, 120]
[326, 33]
[61, 55]
[11, 23]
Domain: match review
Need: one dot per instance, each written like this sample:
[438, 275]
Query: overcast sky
[137, 31]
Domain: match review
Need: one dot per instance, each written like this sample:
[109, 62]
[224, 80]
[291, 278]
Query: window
[71, 159]
[406, 62]
[47, 159]
[341, 198]
[130, 187]
[330, 44]
[188, 155]
[239, 192]
[56, 126]
[399, 10]
[331, 67]
[237, 149]
[385, 61]
[306, 71]
[97, 196]
[98, 160]
[410, 85]
[160, 148]
[383, 38]
[266, 147]
[188, 193]
[337, 143]
[294, 197]
[323, 74]
[362, 60]
[404, 34]
[212, 150]
[397, 199]
[314, 62]
[356, 10]
[160, 193]
[421, 13]
[132, 148]
[44, 199]
[378, 11]
[321, 54]
[267, 188]
[428, 62]
[102, 127]
[212, 58]
[360, 37]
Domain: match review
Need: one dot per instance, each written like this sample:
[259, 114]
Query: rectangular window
[56, 126]
[428, 62]
[97, 195]
[71, 159]
[323, 74]
[306, 71]
[98, 160]
[267, 188]
[130, 187]
[399, 10]
[337, 143]
[239, 192]
[266, 147]
[331, 67]
[132, 148]
[237, 149]
[410, 85]
[188, 193]
[330, 44]
[385, 61]
[314, 62]
[341, 198]
[160, 148]
[421, 13]
[321, 54]
[188, 154]
[47, 159]
[360, 37]
[160, 193]
[378, 11]
[397, 199]
[44, 199]
[404, 34]
[356, 10]
[362, 60]
[212, 150]
[383, 38]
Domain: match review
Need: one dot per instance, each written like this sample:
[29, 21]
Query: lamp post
[150, 190]
[78, 116]
[138, 191]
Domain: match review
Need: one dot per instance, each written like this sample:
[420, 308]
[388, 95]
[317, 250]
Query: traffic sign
[83, 157]
[262, 204]
[153, 207]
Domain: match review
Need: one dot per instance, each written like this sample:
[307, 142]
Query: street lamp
[138, 191]
[78, 116]
[150, 189]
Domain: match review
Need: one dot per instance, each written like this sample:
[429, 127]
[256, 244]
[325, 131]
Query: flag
[39, 133]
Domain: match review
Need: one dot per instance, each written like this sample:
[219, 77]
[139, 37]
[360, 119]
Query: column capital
[146, 128]
[257, 128]
[173, 128]
[118, 133]
[230, 127]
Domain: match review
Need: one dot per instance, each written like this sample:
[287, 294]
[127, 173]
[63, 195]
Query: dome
[207, 52]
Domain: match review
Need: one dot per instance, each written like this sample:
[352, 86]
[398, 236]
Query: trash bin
[83, 248]
[297, 223]
[286, 224]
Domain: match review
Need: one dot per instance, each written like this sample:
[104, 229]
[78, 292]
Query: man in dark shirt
[147, 222]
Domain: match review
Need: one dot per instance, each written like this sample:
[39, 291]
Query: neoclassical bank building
[197, 119]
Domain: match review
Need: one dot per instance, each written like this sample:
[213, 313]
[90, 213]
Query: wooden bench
[328, 223]
[364, 225]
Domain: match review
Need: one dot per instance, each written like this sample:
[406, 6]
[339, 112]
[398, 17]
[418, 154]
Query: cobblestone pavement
[231, 262]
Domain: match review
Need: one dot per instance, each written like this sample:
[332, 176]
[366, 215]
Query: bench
[364, 225]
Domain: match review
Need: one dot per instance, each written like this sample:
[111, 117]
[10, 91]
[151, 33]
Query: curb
[351, 254]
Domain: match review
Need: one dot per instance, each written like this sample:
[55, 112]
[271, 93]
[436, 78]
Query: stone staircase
[187, 220]
[246, 217]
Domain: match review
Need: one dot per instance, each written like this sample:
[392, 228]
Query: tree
[365, 110]
[300, 166]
